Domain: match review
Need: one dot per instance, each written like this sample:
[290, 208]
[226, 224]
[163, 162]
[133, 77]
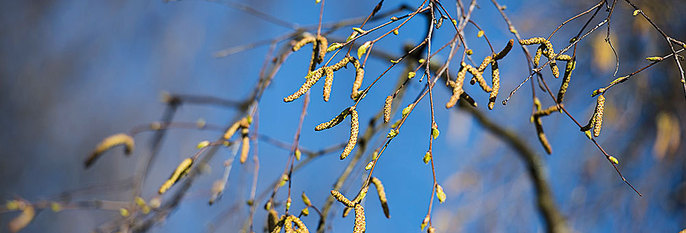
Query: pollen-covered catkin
[179, 172]
[496, 84]
[360, 223]
[599, 108]
[302, 42]
[537, 56]
[328, 82]
[313, 78]
[457, 86]
[387, 109]
[382, 196]
[339, 197]
[301, 226]
[354, 130]
[359, 76]
[322, 46]
[245, 145]
[565, 80]
[539, 128]
[484, 64]
[109, 142]
[333, 122]
[479, 78]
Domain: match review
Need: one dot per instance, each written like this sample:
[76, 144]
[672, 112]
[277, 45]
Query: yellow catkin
[179, 173]
[505, 50]
[23, 220]
[484, 63]
[328, 82]
[382, 196]
[553, 67]
[457, 87]
[539, 129]
[360, 223]
[339, 197]
[478, 77]
[245, 145]
[322, 46]
[359, 76]
[599, 108]
[496, 84]
[565, 80]
[314, 76]
[354, 130]
[387, 109]
[302, 42]
[361, 195]
[534, 40]
[301, 226]
[333, 122]
[340, 64]
[346, 211]
[288, 224]
[547, 111]
[108, 143]
[231, 130]
[564, 57]
[537, 56]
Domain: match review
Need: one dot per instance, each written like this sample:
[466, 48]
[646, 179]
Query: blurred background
[74, 72]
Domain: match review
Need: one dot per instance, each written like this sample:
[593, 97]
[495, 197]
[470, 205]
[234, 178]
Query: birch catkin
[245, 145]
[108, 143]
[313, 77]
[496, 84]
[354, 130]
[333, 122]
[565, 80]
[328, 82]
[387, 109]
[180, 171]
[339, 197]
[382, 196]
[599, 108]
[359, 76]
[360, 223]
[457, 86]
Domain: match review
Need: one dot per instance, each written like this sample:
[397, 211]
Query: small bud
[425, 221]
[480, 34]
[352, 36]
[334, 46]
[359, 30]
[469, 52]
[654, 58]
[124, 212]
[407, 110]
[305, 211]
[435, 132]
[395, 124]
[613, 159]
[422, 60]
[411, 75]
[636, 12]
[363, 49]
[454, 22]
[369, 165]
[203, 144]
[392, 133]
[394, 18]
[427, 157]
[298, 154]
[440, 193]
[55, 207]
[395, 31]
[306, 200]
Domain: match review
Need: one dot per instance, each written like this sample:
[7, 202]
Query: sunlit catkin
[599, 108]
[387, 109]
[382, 196]
[313, 77]
[328, 82]
[484, 63]
[538, 55]
[108, 143]
[333, 122]
[359, 76]
[180, 171]
[539, 128]
[301, 226]
[457, 87]
[360, 222]
[245, 145]
[565, 80]
[496, 84]
[354, 130]
[302, 42]
[339, 197]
